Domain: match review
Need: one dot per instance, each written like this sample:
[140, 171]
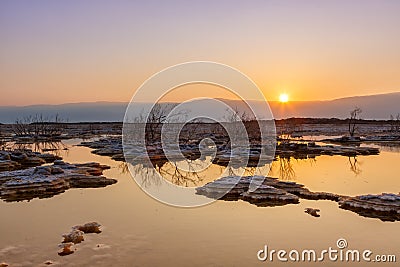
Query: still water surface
[139, 231]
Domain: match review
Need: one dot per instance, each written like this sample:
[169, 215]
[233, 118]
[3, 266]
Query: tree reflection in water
[285, 166]
[55, 147]
[151, 175]
[355, 165]
[282, 168]
[171, 171]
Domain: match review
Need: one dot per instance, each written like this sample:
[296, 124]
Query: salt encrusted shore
[384, 206]
[112, 147]
[21, 159]
[47, 181]
[272, 192]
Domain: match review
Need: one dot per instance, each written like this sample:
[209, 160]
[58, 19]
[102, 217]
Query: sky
[54, 52]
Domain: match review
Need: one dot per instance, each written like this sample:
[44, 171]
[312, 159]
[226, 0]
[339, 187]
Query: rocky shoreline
[271, 192]
[47, 181]
[384, 206]
[112, 147]
[22, 159]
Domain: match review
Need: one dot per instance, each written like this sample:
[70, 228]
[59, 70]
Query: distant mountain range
[374, 107]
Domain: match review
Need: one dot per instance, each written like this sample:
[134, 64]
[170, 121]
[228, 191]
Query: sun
[283, 98]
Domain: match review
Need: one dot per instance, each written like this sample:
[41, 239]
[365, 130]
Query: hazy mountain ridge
[374, 107]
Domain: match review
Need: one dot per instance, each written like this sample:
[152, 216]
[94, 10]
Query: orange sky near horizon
[56, 52]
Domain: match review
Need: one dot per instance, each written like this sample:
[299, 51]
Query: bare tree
[354, 118]
[395, 123]
[161, 113]
[288, 129]
[38, 126]
[234, 115]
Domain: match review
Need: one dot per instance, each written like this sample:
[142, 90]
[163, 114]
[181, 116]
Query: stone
[226, 188]
[92, 227]
[21, 159]
[49, 157]
[385, 206]
[47, 181]
[9, 165]
[33, 161]
[109, 146]
[312, 212]
[75, 236]
[66, 249]
[270, 191]
[266, 195]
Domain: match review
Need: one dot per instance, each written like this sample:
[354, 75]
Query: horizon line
[144, 102]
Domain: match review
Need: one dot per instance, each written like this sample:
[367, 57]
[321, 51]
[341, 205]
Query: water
[139, 231]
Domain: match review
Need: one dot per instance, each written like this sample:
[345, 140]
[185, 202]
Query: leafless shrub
[395, 123]
[353, 120]
[38, 126]
[159, 114]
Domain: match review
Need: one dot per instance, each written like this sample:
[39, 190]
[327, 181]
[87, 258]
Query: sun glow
[283, 98]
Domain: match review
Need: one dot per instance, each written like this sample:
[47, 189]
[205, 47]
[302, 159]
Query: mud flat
[47, 181]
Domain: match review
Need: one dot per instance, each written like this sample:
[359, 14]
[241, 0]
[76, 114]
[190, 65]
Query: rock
[18, 156]
[270, 192]
[56, 170]
[66, 249]
[383, 138]
[48, 262]
[226, 188]
[3, 264]
[9, 165]
[386, 206]
[49, 157]
[75, 236]
[92, 227]
[237, 156]
[33, 161]
[43, 170]
[312, 212]
[266, 195]
[47, 181]
[21, 159]
[118, 157]
[110, 146]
